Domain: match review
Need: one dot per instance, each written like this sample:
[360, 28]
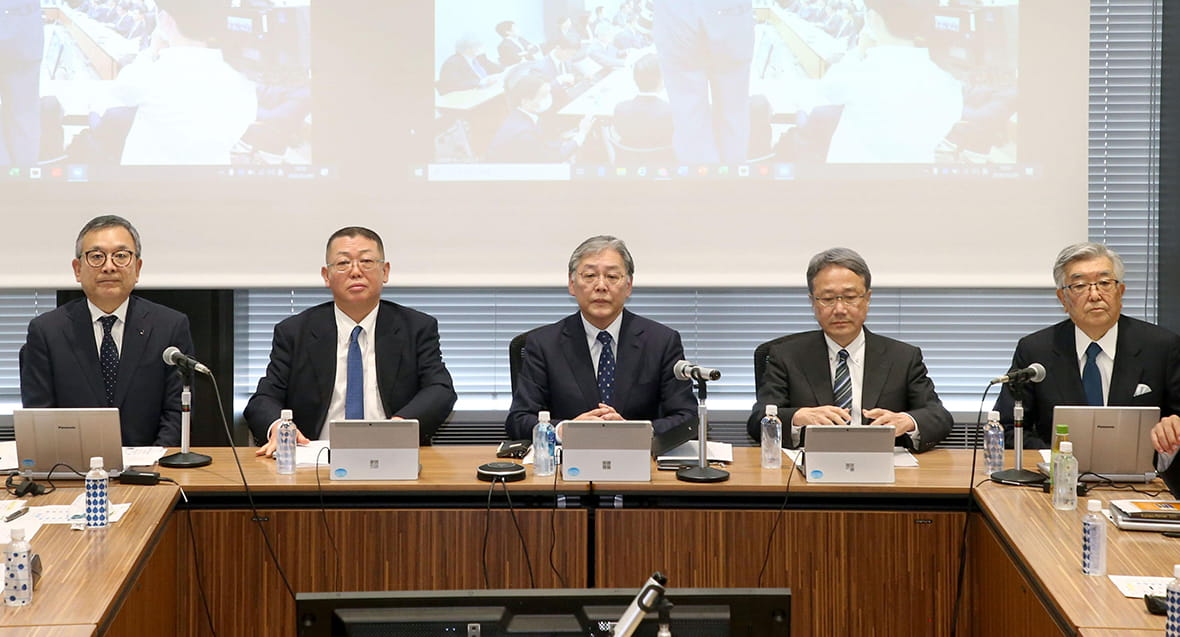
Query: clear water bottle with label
[772, 439]
[98, 499]
[993, 443]
[18, 575]
[1094, 539]
[285, 443]
[1065, 479]
[1172, 627]
[1060, 435]
[544, 446]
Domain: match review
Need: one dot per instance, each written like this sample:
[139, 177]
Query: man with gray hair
[843, 373]
[1097, 356]
[602, 362]
[105, 350]
[468, 68]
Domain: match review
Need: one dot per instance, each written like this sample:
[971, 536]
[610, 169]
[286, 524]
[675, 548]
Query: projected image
[725, 82]
[95, 84]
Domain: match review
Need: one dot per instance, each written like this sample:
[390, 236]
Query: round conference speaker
[506, 471]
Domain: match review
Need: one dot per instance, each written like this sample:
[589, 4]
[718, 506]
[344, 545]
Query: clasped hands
[832, 415]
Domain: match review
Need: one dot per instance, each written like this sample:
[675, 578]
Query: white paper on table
[72, 513]
[142, 456]
[8, 455]
[901, 456]
[305, 455]
[1046, 456]
[1136, 587]
[717, 451]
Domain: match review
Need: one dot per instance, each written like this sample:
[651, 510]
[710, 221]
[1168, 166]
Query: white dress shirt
[1104, 360]
[116, 329]
[373, 408]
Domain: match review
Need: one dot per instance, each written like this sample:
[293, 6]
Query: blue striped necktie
[842, 384]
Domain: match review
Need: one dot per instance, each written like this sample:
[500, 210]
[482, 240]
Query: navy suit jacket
[557, 375]
[511, 52]
[412, 380]
[798, 374]
[59, 368]
[456, 73]
[1145, 355]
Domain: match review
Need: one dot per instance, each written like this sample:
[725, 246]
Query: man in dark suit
[468, 68]
[522, 138]
[1097, 356]
[513, 48]
[845, 374]
[22, 38]
[106, 350]
[645, 121]
[602, 362]
[357, 357]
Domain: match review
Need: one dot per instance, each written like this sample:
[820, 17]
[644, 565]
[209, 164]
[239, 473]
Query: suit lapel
[136, 333]
[630, 357]
[322, 348]
[86, 352]
[818, 369]
[1128, 367]
[390, 341]
[1065, 351]
[876, 370]
[577, 356]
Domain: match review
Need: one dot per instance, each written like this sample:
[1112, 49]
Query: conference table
[860, 559]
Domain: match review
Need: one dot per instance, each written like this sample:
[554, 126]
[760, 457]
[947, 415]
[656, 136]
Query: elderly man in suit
[1097, 356]
[845, 374]
[355, 357]
[22, 38]
[602, 362]
[106, 350]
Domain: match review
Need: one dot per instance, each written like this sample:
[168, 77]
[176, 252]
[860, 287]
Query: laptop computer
[848, 454]
[1111, 442]
[373, 450]
[68, 436]
[606, 451]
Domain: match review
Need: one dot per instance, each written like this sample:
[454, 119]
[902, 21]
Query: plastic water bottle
[18, 578]
[772, 439]
[1060, 435]
[1094, 540]
[544, 446]
[285, 450]
[1065, 479]
[993, 443]
[98, 499]
[1172, 627]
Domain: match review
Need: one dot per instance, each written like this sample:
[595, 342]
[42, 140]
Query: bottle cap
[17, 533]
[1063, 429]
[993, 415]
[286, 414]
[96, 462]
[772, 410]
[542, 416]
[1094, 505]
[1066, 447]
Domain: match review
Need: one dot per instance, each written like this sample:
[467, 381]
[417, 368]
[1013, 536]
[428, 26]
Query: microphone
[646, 600]
[1034, 373]
[173, 356]
[684, 370]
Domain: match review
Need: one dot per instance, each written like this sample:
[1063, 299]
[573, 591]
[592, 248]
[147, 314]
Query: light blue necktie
[1092, 376]
[606, 369]
[354, 392]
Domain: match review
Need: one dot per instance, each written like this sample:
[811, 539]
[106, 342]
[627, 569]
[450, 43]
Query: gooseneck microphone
[645, 601]
[684, 370]
[1034, 373]
[173, 356]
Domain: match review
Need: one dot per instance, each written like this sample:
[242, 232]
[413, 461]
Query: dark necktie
[108, 357]
[606, 369]
[354, 392]
[1092, 376]
[842, 384]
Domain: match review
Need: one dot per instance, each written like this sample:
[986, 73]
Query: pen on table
[16, 514]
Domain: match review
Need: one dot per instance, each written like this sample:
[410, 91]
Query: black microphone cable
[336, 580]
[779, 516]
[967, 518]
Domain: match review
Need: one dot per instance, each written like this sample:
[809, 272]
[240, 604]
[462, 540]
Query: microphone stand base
[185, 460]
[1023, 476]
[702, 474]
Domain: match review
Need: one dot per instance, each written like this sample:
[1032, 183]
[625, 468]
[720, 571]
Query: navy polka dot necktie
[108, 357]
[606, 369]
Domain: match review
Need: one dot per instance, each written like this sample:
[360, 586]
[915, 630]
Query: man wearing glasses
[356, 358]
[106, 350]
[602, 362]
[843, 373]
[1097, 356]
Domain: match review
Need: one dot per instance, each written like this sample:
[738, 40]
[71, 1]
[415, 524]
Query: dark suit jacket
[510, 52]
[644, 122]
[456, 73]
[1145, 354]
[59, 368]
[413, 381]
[557, 375]
[798, 375]
[520, 140]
